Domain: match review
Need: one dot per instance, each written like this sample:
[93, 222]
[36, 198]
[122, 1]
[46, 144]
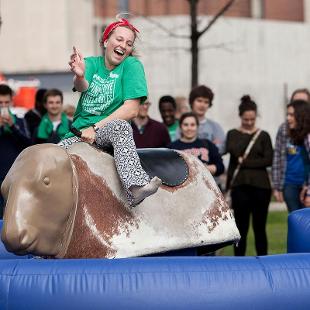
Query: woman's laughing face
[118, 46]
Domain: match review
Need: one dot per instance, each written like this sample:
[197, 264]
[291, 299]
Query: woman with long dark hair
[250, 186]
[280, 150]
[296, 168]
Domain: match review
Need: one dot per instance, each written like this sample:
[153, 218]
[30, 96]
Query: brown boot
[139, 193]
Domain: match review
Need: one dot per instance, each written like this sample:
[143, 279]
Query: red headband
[123, 22]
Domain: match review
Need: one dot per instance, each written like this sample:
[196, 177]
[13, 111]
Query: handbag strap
[245, 155]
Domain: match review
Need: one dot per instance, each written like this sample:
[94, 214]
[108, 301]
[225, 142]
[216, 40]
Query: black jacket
[11, 144]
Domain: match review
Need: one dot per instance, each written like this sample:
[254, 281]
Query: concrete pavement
[277, 206]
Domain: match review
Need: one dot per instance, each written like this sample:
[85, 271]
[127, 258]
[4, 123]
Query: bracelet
[79, 77]
[96, 128]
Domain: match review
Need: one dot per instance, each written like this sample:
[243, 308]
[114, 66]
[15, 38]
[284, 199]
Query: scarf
[121, 23]
[46, 127]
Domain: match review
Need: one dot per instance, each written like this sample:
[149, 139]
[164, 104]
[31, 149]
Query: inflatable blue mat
[270, 282]
[298, 239]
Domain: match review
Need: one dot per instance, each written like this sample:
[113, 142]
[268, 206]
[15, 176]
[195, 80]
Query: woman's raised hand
[76, 63]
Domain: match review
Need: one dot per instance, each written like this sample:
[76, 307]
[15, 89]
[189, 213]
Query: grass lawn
[276, 234]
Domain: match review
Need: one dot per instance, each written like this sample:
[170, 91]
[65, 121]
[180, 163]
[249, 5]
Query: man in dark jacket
[147, 132]
[14, 136]
[33, 116]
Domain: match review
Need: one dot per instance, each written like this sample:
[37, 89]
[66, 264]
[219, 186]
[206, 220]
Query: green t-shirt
[108, 90]
[172, 130]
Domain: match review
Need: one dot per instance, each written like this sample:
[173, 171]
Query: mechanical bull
[71, 204]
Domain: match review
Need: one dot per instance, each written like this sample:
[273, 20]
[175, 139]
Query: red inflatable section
[25, 97]
[25, 91]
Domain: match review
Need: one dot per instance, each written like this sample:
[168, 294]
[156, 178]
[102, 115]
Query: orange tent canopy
[25, 97]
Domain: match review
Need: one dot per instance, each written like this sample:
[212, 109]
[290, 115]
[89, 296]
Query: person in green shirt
[54, 123]
[167, 108]
[112, 87]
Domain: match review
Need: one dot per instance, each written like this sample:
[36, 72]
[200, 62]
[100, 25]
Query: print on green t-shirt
[99, 96]
[108, 90]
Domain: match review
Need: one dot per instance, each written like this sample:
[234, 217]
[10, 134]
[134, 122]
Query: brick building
[285, 10]
[260, 47]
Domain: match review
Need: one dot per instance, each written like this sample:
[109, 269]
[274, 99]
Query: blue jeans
[291, 194]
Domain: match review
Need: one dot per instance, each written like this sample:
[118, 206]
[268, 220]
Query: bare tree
[195, 34]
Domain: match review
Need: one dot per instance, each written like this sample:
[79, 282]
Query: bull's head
[40, 192]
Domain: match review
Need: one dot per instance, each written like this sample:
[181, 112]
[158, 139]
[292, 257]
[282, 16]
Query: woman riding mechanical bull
[112, 87]
[61, 203]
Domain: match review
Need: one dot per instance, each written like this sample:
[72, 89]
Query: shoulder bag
[245, 155]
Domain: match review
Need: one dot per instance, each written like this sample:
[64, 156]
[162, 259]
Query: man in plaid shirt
[305, 194]
[279, 162]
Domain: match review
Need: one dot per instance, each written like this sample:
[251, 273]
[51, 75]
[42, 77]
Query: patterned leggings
[119, 134]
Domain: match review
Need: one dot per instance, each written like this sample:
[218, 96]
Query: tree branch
[162, 27]
[215, 18]
[170, 49]
[222, 46]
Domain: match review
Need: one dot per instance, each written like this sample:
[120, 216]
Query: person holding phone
[112, 88]
[14, 135]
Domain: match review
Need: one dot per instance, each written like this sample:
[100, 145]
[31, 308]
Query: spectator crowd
[186, 127]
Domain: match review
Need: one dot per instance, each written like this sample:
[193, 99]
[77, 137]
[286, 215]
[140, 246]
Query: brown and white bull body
[70, 204]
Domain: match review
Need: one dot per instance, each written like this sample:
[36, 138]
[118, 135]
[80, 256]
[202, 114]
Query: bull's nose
[10, 240]
[17, 241]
